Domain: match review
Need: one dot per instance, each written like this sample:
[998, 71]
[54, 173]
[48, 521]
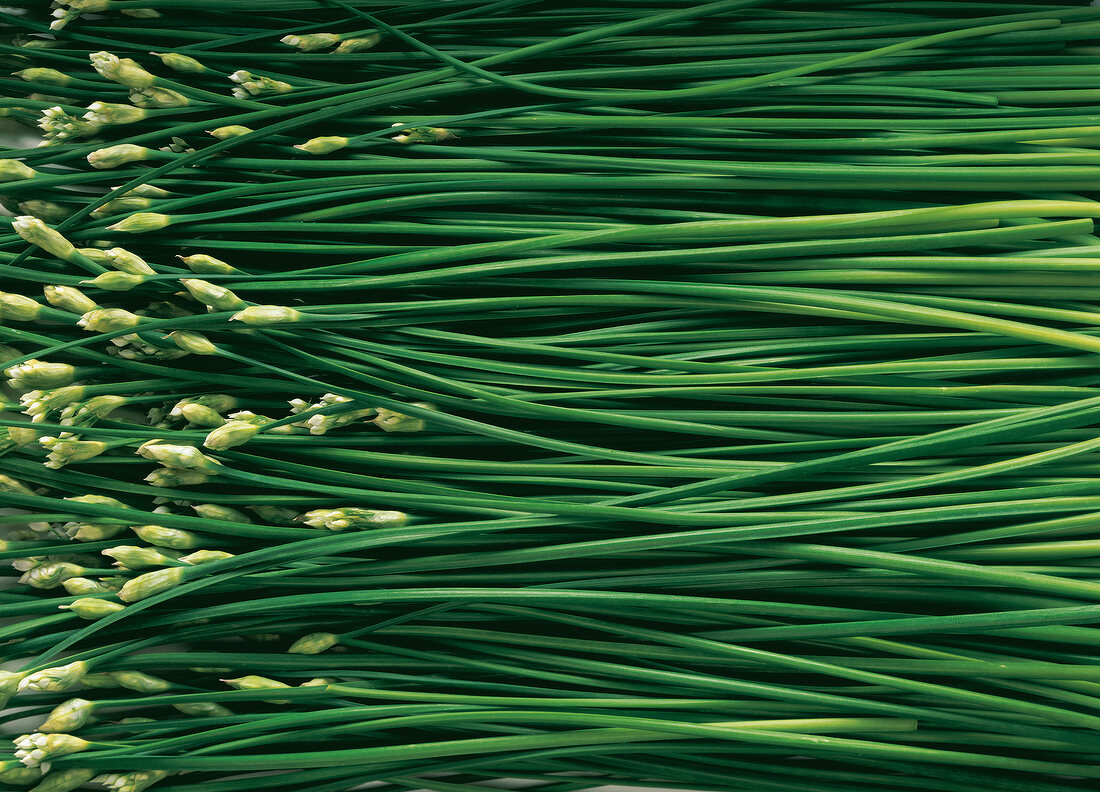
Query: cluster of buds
[86, 412]
[320, 423]
[203, 410]
[35, 373]
[353, 518]
[58, 126]
[36, 750]
[422, 134]
[67, 448]
[249, 85]
[50, 574]
[65, 11]
[124, 71]
[92, 531]
[38, 404]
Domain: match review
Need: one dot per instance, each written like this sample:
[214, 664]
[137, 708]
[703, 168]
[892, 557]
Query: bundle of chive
[661, 393]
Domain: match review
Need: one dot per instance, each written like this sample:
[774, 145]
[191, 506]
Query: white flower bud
[106, 320]
[152, 583]
[15, 170]
[124, 71]
[318, 682]
[115, 281]
[179, 456]
[133, 557]
[312, 41]
[276, 515]
[423, 134]
[63, 451]
[211, 294]
[180, 63]
[353, 518]
[253, 682]
[69, 298]
[255, 85]
[92, 608]
[194, 343]
[230, 434]
[313, 643]
[40, 374]
[140, 682]
[205, 557]
[23, 776]
[141, 223]
[38, 233]
[52, 680]
[124, 260]
[323, 145]
[231, 131]
[80, 586]
[18, 307]
[267, 315]
[113, 156]
[36, 749]
[159, 97]
[106, 113]
[68, 716]
[175, 538]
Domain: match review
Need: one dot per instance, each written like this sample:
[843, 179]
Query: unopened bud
[230, 434]
[44, 76]
[69, 298]
[133, 557]
[141, 682]
[231, 131]
[354, 518]
[313, 643]
[179, 456]
[158, 97]
[38, 233]
[358, 44]
[213, 295]
[18, 307]
[323, 145]
[53, 680]
[267, 315]
[121, 70]
[205, 557]
[40, 374]
[152, 583]
[107, 113]
[113, 156]
[312, 42]
[195, 343]
[180, 63]
[107, 320]
[115, 281]
[141, 223]
[68, 716]
[15, 170]
[92, 608]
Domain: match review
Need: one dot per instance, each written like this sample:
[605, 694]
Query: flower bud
[141, 222]
[40, 374]
[140, 682]
[9, 685]
[65, 450]
[194, 343]
[69, 298]
[230, 434]
[107, 113]
[38, 233]
[115, 281]
[68, 716]
[176, 538]
[35, 749]
[120, 154]
[318, 682]
[313, 643]
[51, 574]
[180, 63]
[159, 97]
[205, 557]
[353, 518]
[323, 145]
[133, 557]
[139, 779]
[358, 44]
[124, 260]
[107, 320]
[92, 608]
[267, 315]
[312, 42]
[23, 776]
[8, 484]
[422, 134]
[18, 307]
[44, 76]
[80, 586]
[64, 780]
[52, 680]
[210, 294]
[179, 456]
[124, 71]
[253, 682]
[214, 511]
[393, 421]
[152, 583]
[173, 478]
[231, 131]
[204, 709]
[15, 170]
[275, 515]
